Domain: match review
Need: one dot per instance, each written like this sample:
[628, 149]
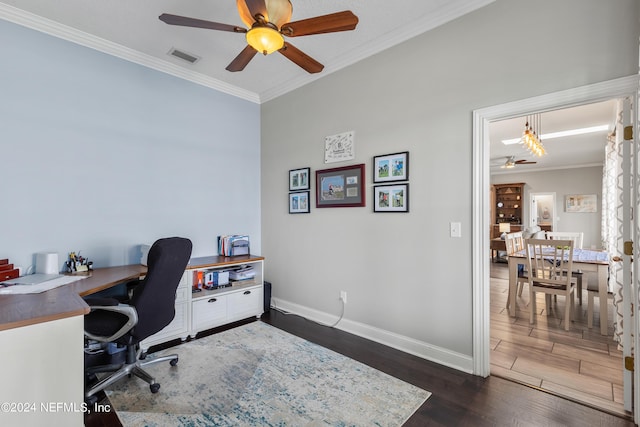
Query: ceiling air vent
[184, 55]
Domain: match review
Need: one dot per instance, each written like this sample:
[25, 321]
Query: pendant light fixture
[530, 137]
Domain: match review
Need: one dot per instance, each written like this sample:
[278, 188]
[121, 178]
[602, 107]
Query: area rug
[258, 375]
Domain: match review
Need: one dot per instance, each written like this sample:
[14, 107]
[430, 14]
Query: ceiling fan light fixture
[278, 12]
[265, 39]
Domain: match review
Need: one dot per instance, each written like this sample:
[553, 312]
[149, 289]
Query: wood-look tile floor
[579, 364]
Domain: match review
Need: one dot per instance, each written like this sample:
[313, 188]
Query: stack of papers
[36, 283]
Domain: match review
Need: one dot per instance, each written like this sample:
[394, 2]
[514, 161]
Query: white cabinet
[226, 305]
[199, 311]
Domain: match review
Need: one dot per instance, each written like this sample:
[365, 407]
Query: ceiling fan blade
[339, 21]
[525, 162]
[243, 58]
[257, 7]
[199, 23]
[301, 59]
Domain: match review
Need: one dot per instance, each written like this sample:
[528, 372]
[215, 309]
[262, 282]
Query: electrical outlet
[343, 296]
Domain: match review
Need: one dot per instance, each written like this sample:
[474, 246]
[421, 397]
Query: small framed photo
[391, 198]
[299, 202]
[391, 167]
[340, 187]
[299, 179]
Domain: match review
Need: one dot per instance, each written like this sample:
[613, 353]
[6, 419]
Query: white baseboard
[412, 346]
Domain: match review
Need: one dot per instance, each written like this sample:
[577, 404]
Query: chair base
[127, 369]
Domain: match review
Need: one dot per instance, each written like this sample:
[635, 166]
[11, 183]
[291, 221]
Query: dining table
[585, 260]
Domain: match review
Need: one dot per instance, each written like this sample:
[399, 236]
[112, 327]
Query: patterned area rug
[257, 375]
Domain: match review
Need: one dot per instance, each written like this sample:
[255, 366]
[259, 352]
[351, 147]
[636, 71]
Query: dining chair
[577, 237]
[594, 292]
[548, 263]
[514, 242]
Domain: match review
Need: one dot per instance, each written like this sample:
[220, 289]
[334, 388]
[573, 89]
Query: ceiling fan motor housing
[278, 13]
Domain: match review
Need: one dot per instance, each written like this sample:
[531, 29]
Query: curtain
[612, 219]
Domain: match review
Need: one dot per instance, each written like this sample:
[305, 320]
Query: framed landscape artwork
[581, 203]
[340, 187]
[391, 167]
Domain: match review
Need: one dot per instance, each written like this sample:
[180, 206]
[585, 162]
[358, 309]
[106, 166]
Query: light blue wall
[98, 155]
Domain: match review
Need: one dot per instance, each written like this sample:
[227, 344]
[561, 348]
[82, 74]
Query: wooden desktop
[41, 342]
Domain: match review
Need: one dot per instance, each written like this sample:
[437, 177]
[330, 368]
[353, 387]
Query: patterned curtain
[612, 218]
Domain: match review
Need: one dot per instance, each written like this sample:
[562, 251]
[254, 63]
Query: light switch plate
[455, 229]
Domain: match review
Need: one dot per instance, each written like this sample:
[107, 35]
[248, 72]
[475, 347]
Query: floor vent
[184, 55]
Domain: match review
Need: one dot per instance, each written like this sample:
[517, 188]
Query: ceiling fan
[269, 22]
[512, 162]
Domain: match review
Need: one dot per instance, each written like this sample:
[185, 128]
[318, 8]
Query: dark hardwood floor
[458, 399]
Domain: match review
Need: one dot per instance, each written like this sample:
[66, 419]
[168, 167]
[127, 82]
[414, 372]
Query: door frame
[612, 89]
[554, 216]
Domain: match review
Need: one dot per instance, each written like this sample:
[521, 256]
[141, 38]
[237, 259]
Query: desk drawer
[245, 303]
[209, 311]
[9, 274]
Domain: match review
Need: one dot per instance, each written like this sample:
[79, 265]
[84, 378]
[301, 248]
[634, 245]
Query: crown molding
[47, 26]
[448, 12]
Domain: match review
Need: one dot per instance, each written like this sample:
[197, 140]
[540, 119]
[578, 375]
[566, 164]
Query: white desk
[583, 259]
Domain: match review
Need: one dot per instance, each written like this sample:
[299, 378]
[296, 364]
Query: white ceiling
[572, 151]
[131, 29]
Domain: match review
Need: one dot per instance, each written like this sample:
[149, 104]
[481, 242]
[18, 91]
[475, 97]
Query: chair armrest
[124, 309]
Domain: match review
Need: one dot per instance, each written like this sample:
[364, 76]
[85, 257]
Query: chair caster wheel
[173, 362]
[91, 400]
[154, 387]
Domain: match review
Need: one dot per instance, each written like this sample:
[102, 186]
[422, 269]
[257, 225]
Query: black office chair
[149, 310]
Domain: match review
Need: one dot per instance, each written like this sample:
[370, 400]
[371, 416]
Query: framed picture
[299, 202]
[338, 148]
[581, 203]
[340, 187]
[391, 167]
[391, 198]
[299, 179]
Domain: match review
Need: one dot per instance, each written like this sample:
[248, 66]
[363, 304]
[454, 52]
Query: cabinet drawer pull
[247, 292]
[213, 300]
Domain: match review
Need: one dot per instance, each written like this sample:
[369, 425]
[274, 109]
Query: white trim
[536, 170]
[47, 26]
[403, 343]
[622, 87]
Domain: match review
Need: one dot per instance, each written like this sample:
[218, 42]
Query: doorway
[620, 88]
[542, 210]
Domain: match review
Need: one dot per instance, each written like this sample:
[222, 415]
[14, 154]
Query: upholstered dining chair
[548, 263]
[150, 309]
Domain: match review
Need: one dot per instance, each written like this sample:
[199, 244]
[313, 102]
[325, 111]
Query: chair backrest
[154, 298]
[514, 242]
[550, 261]
[576, 236]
